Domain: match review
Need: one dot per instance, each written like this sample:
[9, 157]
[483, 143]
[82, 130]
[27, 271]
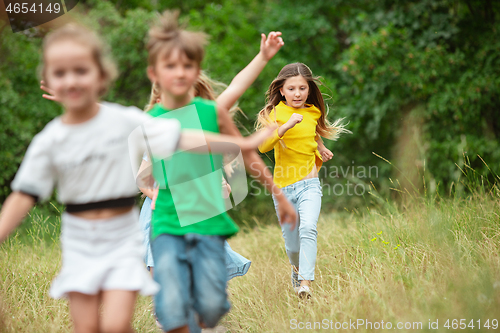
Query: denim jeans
[191, 270]
[236, 264]
[301, 243]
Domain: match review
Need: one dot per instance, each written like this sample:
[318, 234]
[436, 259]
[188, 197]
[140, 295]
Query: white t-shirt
[96, 160]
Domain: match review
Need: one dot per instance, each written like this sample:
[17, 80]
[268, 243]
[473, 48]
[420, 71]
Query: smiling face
[73, 74]
[176, 74]
[295, 90]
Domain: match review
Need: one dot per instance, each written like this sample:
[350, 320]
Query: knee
[308, 231]
[211, 310]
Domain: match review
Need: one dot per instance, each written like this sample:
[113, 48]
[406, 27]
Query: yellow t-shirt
[295, 153]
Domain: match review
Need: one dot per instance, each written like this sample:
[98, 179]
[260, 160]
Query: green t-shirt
[190, 196]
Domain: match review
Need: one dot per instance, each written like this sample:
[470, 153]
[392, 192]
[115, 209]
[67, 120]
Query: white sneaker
[304, 292]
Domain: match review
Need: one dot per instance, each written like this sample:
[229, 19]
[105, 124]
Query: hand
[228, 169]
[294, 120]
[286, 212]
[270, 46]
[325, 153]
[226, 189]
[51, 96]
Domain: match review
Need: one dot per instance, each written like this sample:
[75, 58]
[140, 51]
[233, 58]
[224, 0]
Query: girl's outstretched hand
[270, 46]
[51, 95]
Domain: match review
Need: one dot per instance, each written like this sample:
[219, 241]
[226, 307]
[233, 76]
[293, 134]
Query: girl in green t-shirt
[188, 251]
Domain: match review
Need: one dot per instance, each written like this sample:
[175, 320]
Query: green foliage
[23, 111]
[433, 64]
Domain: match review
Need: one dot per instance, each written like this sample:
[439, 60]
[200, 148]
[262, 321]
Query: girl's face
[176, 74]
[295, 90]
[73, 74]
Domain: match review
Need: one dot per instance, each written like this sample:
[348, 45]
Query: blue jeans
[301, 243]
[191, 270]
[236, 264]
[145, 222]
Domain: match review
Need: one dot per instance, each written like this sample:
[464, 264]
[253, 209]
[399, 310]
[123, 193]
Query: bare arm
[268, 48]
[196, 140]
[280, 131]
[14, 209]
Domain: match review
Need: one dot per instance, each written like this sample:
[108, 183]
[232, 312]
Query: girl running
[89, 162]
[294, 102]
[236, 264]
[190, 223]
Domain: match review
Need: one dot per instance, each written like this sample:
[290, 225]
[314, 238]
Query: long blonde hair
[273, 97]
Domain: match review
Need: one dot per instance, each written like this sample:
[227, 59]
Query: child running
[294, 102]
[189, 223]
[89, 162]
[236, 264]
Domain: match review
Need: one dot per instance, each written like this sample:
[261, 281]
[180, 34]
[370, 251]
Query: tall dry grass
[420, 261]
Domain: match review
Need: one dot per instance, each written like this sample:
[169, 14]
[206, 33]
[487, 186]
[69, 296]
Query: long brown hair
[273, 97]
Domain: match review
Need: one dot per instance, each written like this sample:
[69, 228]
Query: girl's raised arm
[268, 48]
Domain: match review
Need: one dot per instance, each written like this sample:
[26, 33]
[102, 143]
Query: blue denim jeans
[301, 242]
[236, 264]
[191, 270]
[145, 222]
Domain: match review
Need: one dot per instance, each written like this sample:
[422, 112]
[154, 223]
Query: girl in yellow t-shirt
[295, 103]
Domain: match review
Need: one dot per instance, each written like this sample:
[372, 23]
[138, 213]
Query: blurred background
[418, 82]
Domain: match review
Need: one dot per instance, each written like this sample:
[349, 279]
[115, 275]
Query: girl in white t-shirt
[87, 153]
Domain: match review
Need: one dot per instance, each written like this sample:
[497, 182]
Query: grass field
[426, 262]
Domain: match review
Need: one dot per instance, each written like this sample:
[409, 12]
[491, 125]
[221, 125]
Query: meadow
[423, 264]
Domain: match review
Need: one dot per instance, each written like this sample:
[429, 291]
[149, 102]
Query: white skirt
[103, 254]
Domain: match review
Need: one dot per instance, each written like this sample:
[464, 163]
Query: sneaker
[304, 292]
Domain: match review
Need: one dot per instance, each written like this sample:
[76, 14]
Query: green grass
[421, 261]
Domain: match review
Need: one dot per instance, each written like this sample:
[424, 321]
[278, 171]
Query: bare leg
[118, 309]
[85, 312]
